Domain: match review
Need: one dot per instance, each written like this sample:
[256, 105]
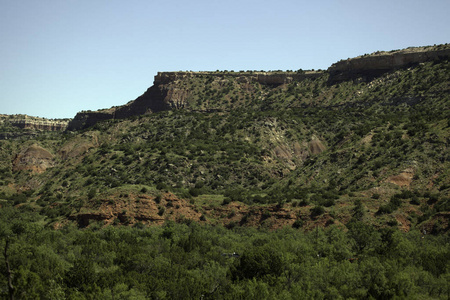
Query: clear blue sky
[59, 57]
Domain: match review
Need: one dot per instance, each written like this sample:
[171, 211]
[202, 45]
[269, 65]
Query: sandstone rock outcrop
[33, 158]
[269, 78]
[87, 119]
[165, 94]
[168, 91]
[153, 100]
[35, 123]
[373, 65]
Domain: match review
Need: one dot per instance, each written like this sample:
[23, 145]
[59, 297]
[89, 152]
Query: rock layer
[166, 92]
[35, 123]
[33, 158]
[373, 65]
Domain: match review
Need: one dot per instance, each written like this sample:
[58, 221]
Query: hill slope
[251, 148]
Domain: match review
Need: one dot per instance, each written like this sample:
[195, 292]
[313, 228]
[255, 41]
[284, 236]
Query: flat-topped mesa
[36, 123]
[85, 119]
[167, 94]
[176, 90]
[269, 78]
[372, 65]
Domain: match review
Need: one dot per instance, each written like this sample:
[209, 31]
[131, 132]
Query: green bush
[261, 262]
[297, 224]
[92, 193]
[226, 201]
[161, 211]
[194, 192]
[317, 211]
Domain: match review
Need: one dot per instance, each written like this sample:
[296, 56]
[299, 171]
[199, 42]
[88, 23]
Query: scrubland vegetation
[191, 261]
[324, 191]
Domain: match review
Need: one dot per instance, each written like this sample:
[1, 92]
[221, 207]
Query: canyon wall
[171, 89]
[153, 100]
[269, 78]
[164, 94]
[34, 123]
[85, 119]
[370, 66]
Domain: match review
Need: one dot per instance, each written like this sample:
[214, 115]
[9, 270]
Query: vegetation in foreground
[355, 177]
[190, 261]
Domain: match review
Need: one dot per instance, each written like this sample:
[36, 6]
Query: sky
[59, 57]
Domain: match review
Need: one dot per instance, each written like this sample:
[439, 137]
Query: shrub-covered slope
[340, 167]
[293, 154]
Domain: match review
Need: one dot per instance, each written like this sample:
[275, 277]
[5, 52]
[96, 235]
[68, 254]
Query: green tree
[365, 237]
[260, 262]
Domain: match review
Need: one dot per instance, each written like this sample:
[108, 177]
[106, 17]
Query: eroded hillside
[229, 90]
[250, 149]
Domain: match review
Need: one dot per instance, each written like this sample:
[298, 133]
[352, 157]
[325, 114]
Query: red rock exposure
[166, 94]
[403, 179]
[33, 158]
[131, 208]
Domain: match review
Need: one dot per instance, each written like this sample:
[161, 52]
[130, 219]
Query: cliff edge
[181, 90]
[170, 91]
[34, 123]
[369, 66]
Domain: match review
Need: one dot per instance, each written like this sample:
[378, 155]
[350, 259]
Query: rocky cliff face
[45, 125]
[168, 93]
[172, 90]
[373, 65]
[153, 100]
[268, 78]
[85, 119]
[34, 123]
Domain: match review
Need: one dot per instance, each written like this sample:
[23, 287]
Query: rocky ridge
[164, 94]
[168, 92]
[242, 151]
[34, 123]
[369, 66]
[269, 78]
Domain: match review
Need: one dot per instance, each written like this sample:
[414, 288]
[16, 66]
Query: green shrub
[317, 210]
[92, 193]
[194, 192]
[297, 224]
[265, 215]
[226, 201]
[415, 200]
[161, 211]
[304, 202]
